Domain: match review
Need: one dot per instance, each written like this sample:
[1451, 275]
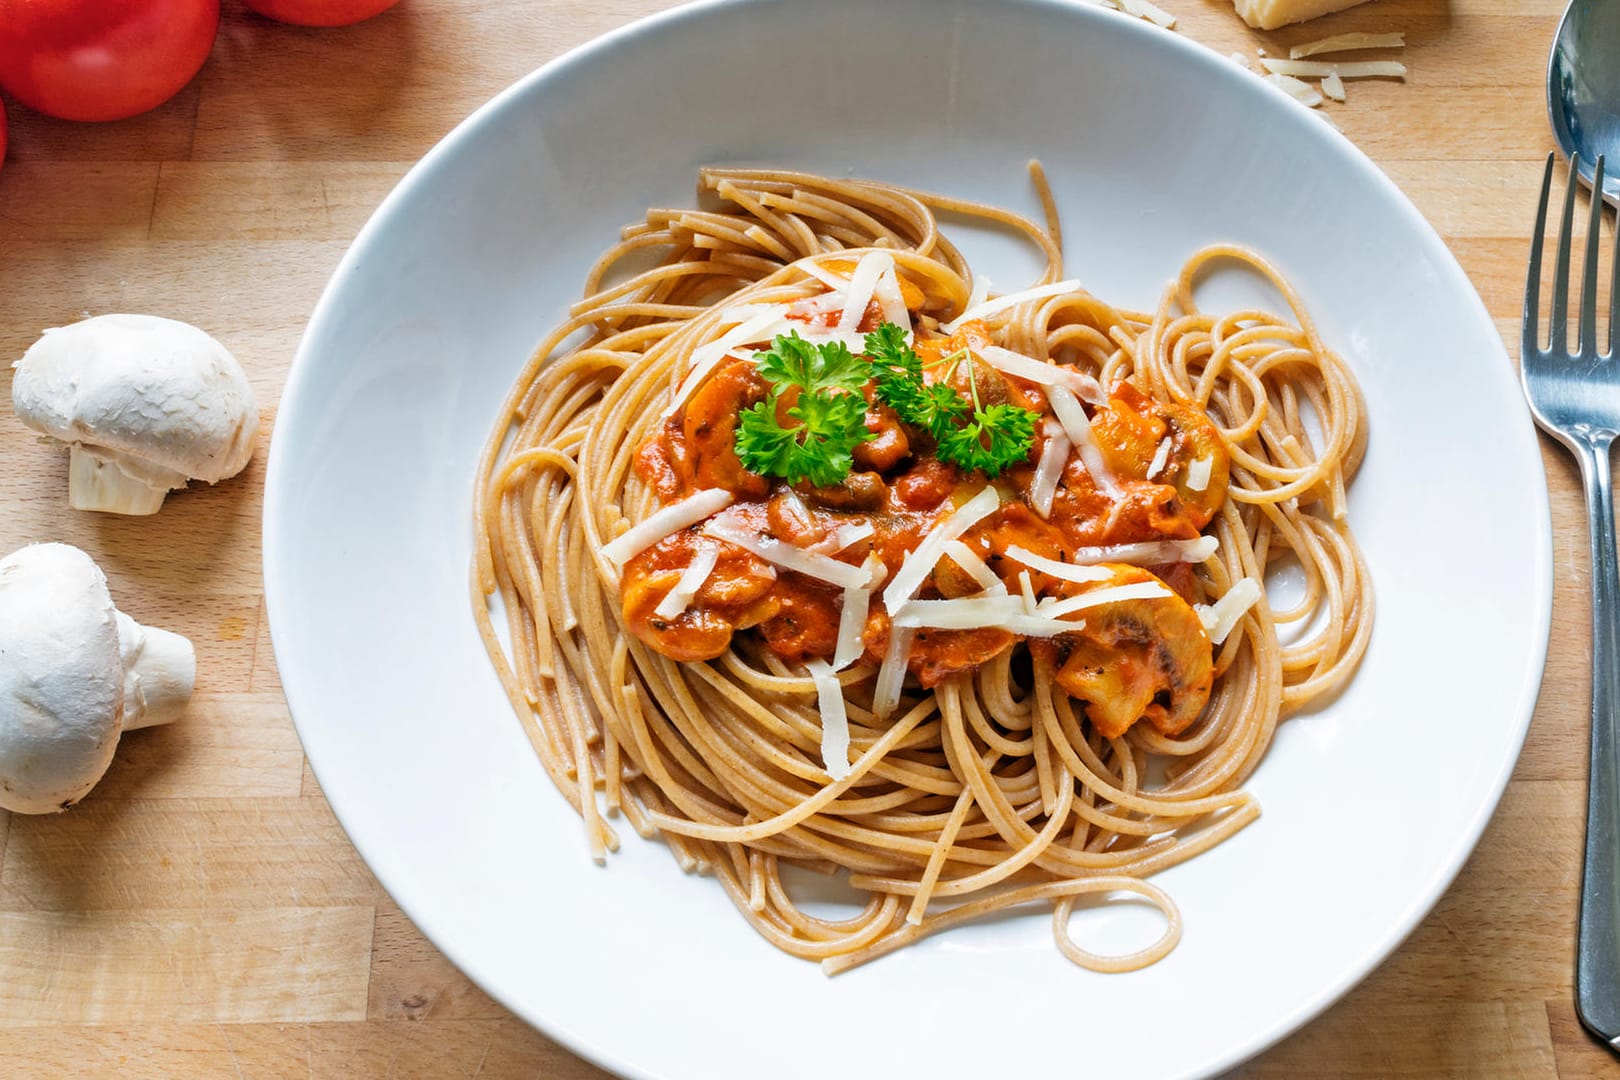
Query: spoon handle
[1597, 961]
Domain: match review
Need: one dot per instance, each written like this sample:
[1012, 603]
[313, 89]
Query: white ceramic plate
[1155, 146]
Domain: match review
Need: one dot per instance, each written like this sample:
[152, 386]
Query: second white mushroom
[145, 405]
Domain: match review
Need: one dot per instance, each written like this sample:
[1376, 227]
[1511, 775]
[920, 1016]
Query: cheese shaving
[892, 673]
[1149, 552]
[1299, 91]
[1198, 473]
[1078, 428]
[828, 277]
[1002, 303]
[842, 537]
[749, 320]
[672, 518]
[861, 286]
[1356, 69]
[834, 719]
[678, 599]
[1333, 86]
[1043, 373]
[976, 568]
[1346, 42]
[852, 618]
[785, 555]
[1063, 571]
[1222, 616]
[1142, 9]
[1049, 470]
[919, 562]
[1160, 457]
[964, 613]
[1026, 589]
[1051, 608]
[891, 299]
[1008, 613]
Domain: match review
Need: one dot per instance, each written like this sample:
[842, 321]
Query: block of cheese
[1270, 14]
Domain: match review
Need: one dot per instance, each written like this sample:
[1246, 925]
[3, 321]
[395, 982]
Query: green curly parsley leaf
[968, 436]
[992, 439]
[793, 361]
[830, 411]
[829, 408]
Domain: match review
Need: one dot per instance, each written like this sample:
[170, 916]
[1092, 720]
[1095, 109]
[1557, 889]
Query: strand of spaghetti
[746, 833]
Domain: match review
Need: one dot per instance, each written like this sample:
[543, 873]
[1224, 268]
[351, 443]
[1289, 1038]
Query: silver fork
[1575, 397]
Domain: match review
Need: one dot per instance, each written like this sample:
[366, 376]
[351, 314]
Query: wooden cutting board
[202, 914]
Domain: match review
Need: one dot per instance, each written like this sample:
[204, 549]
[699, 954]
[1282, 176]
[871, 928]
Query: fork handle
[1597, 962]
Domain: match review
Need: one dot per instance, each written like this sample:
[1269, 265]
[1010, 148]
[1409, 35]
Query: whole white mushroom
[75, 673]
[145, 404]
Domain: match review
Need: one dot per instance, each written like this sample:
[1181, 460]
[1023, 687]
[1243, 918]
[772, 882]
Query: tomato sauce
[901, 491]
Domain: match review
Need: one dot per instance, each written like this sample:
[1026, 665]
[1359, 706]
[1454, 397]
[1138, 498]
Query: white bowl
[1155, 146]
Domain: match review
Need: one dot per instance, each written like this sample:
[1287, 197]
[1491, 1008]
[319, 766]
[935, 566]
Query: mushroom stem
[160, 669]
[99, 483]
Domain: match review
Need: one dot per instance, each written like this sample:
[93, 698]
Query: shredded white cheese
[842, 537]
[920, 561]
[1142, 9]
[981, 291]
[1052, 608]
[1063, 571]
[1043, 373]
[1160, 457]
[1026, 588]
[861, 286]
[965, 613]
[1240, 60]
[672, 518]
[1149, 552]
[1299, 91]
[1049, 470]
[754, 319]
[1358, 69]
[1073, 418]
[787, 556]
[1333, 86]
[678, 599]
[828, 277]
[891, 299]
[976, 568]
[892, 672]
[1346, 42]
[1002, 303]
[834, 719]
[1004, 613]
[816, 306]
[852, 618]
[1198, 473]
[1222, 616]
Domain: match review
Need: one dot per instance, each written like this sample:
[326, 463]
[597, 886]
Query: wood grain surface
[202, 913]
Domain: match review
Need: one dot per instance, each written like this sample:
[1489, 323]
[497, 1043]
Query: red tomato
[320, 12]
[2, 134]
[102, 59]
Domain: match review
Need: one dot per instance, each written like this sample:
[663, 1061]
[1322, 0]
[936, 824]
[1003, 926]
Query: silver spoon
[1583, 88]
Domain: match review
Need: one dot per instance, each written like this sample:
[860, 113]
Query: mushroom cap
[155, 390]
[61, 678]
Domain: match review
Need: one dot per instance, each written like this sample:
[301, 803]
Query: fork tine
[1559, 341]
[1531, 342]
[1587, 342]
[1614, 283]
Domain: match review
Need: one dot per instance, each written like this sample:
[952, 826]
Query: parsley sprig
[830, 410]
[968, 434]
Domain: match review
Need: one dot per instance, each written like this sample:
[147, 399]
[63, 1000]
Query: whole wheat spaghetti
[990, 725]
